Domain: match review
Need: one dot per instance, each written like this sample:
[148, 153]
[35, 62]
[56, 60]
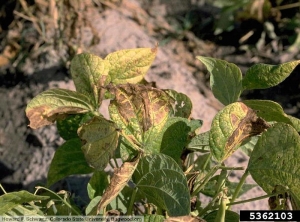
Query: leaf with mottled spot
[118, 181]
[225, 80]
[89, 73]
[138, 109]
[130, 65]
[53, 104]
[231, 126]
[100, 139]
[262, 76]
[275, 160]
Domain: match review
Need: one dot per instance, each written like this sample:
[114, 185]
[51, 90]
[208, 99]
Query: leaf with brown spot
[138, 109]
[119, 180]
[100, 139]
[231, 126]
[47, 107]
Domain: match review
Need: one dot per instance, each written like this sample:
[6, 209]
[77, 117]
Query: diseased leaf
[231, 126]
[248, 145]
[262, 76]
[160, 179]
[100, 139]
[11, 200]
[68, 160]
[130, 65]
[54, 104]
[90, 73]
[182, 104]
[137, 109]
[275, 159]
[225, 79]
[118, 181]
[153, 218]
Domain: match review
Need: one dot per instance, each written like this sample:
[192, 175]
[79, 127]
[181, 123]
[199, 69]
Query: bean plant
[161, 166]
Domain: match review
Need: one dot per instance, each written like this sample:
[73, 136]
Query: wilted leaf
[160, 179]
[53, 104]
[89, 73]
[182, 104]
[118, 181]
[68, 160]
[100, 139]
[138, 108]
[231, 126]
[11, 200]
[130, 65]
[275, 159]
[262, 76]
[225, 80]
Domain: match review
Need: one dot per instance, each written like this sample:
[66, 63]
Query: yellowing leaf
[100, 138]
[53, 104]
[118, 181]
[138, 108]
[90, 74]
[130, 65]
[231, 126]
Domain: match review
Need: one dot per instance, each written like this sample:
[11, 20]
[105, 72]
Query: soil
[25, 154]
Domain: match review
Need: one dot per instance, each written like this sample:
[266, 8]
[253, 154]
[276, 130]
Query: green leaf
[68, 160]
[295, 121]
[262, 76]
[100, 139]
[11, 200]
[231, 126]
[154, 218]
[268, 110]
[137, 109]
[54, 104]
[89, 73]
[97, 184]
[130, 65]
[275, 159]
[248, 145]
[182, 103]
[225, 80]
[200, 142]
[67, 128]
[230, 216]
[159, 178]
[174, 138]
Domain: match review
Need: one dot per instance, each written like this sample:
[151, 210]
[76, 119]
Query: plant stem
[239, 187]
[130, 207]
[65, 202]
[2, 188]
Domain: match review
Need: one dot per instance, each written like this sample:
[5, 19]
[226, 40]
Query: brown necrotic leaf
[231, 126]
[138, 108]
[53, 104]
[100, 138]
[119, 180]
